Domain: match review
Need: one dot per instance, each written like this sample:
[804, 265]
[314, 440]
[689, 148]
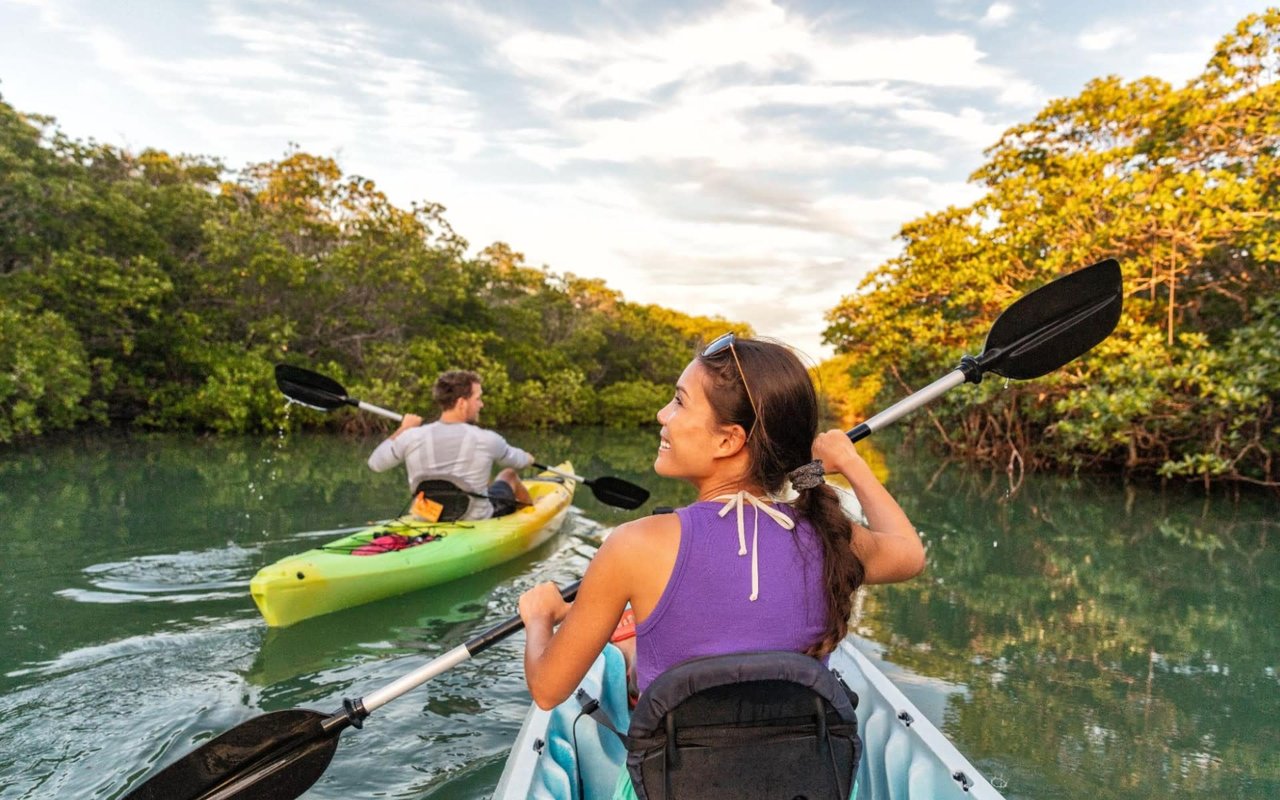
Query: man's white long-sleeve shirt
[457, 451]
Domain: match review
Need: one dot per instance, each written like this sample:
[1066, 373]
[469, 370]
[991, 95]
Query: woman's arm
[888, 546]
[555, 660]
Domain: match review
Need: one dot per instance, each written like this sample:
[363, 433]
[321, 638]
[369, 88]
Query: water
[1073, 637]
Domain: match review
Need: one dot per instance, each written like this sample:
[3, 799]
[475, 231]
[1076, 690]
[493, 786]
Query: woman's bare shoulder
[646, 534]
[638, 558]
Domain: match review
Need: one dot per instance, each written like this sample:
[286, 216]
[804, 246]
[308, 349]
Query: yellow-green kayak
[332, 577]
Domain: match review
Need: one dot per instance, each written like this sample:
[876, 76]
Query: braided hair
[779, 444]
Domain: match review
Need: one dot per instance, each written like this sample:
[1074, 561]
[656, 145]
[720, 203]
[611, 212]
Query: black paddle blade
[276, 756]
[1056, 323]
[310, 388]
[617, 492]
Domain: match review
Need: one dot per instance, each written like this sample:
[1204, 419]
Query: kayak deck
[904, 756]
[330, 578]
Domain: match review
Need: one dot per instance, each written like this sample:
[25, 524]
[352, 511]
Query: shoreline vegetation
[1182, 186]
[156, 291]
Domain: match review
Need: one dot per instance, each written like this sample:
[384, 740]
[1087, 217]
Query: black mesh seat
[455, 500]
[749, 725]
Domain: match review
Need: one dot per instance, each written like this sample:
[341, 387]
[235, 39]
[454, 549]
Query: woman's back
[706, 608]
[743, 419]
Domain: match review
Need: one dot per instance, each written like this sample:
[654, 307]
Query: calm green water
[1075, 639]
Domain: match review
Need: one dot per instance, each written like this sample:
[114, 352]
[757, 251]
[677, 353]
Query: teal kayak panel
[904, 756]
[598, 758]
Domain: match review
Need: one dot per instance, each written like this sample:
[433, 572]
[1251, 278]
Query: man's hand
[406, 422]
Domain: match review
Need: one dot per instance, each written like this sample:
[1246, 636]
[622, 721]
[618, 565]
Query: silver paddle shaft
[370, 407]
[908, 404]
[377, 699]
[566, 475]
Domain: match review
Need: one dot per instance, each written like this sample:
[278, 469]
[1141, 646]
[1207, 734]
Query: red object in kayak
[626, 627]
[382, 544]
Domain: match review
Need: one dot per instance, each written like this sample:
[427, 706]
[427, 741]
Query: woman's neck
[713, 487]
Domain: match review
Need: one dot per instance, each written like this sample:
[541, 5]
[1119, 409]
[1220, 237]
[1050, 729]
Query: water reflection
[410, 623]
[1075, 637]
[1113, 642]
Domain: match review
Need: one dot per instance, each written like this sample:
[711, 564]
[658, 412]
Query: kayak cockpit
[559, 754]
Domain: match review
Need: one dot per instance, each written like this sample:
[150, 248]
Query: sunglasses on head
[719, 345]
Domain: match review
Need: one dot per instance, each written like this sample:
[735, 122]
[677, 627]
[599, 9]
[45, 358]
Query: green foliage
[629, 403]
[558, 400]
[237, 395]
[1183, 187]
[43, 374]
[158, 290]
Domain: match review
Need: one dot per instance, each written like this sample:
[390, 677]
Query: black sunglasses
[719, 345]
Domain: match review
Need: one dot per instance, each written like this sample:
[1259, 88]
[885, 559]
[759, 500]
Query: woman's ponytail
[843, 572]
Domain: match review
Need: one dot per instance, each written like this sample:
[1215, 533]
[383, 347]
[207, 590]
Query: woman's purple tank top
[705, 609]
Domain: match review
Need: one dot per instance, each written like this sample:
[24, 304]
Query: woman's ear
[730, 440]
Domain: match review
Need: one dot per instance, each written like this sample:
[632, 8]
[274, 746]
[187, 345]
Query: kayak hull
[904, 756]
[330, 578]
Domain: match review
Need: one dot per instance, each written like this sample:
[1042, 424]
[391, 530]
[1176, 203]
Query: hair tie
[807, 476]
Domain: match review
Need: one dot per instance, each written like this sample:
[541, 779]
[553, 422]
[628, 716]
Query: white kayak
[904, 756]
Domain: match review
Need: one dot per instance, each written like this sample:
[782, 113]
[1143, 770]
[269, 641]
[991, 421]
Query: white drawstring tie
[736, 501]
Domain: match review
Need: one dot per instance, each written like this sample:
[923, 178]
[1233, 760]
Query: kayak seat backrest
[746, 725]
[455, 500]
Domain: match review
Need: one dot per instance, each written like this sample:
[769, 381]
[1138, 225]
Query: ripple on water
[95, 721]
[183, 577]
[179, 644]
[136, 702]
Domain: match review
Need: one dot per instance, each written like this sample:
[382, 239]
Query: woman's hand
[889, 547]
[543, 604]
[550, 675]
[836, 451]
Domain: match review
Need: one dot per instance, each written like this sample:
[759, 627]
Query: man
[453, 448]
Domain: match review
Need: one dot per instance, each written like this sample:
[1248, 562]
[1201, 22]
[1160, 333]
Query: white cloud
[1106, 37]
[998, 14]
[322, 79]
[1178, 67]
[968, 126]
[750, 89]
[760, 39]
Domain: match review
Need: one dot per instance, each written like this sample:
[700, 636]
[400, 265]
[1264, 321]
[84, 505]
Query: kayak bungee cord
[427, 531]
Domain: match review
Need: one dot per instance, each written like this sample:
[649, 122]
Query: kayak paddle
[1040, 332]
[323, 393]
[282, 754]
[279, 755]
[607, 489]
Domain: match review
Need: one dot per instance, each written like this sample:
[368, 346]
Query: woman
[737, 570]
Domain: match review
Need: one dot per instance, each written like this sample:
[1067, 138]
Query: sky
[748, 159]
